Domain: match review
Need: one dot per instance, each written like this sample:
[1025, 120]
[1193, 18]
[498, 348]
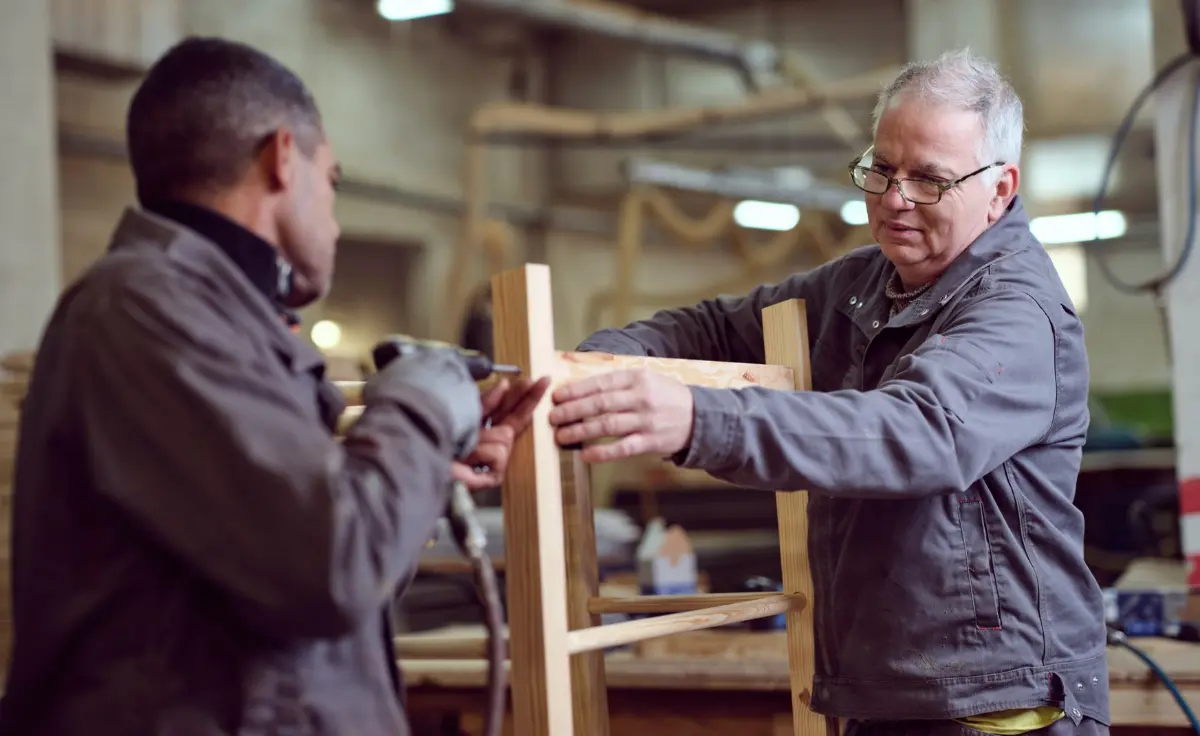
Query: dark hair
[202, 112]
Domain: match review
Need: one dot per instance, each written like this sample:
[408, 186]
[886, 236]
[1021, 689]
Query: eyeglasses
[914, 190]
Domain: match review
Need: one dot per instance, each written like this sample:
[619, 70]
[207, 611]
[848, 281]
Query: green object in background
[1146, 413]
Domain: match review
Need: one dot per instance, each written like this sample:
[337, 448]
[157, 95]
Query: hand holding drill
[486, 425]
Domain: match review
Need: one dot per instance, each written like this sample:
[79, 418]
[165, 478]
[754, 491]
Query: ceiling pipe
[800, 189]
[757, 62]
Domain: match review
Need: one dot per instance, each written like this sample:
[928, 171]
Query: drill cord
[472, 542]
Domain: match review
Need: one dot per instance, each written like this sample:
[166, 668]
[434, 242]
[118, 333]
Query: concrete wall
[396, 100]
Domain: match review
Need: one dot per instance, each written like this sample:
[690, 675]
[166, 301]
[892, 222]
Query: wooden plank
[523, 325]
[669, 603]
[627, 632]
[570, 366]
[576, 366]
[785, 337]
[583, 585]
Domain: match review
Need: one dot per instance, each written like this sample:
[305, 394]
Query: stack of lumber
[14, 379]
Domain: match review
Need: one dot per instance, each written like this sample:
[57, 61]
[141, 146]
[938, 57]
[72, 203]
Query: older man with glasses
[940, 445]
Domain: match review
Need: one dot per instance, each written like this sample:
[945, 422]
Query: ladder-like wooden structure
[556, 641]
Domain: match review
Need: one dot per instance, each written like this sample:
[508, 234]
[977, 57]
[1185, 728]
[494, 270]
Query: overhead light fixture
[326, 334]
[854, 212]
[766, 215]
[398, 10]
[1080, 227]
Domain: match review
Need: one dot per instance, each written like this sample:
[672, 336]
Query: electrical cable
[1157, 284]
[1118, 638]
[472, 542]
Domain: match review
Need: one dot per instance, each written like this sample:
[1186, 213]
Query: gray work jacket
[193, 551]
[941, 449]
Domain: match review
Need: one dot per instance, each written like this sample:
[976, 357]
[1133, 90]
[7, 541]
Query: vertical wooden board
[583, 583]
[785, 336]
[523, 323]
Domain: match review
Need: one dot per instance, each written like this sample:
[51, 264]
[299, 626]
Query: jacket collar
[201, 253]
[867, 305]
[256, 258]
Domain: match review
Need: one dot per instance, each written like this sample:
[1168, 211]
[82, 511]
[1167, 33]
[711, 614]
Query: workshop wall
[396, 100]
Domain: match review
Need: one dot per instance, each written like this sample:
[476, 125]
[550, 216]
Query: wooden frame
[555, 639]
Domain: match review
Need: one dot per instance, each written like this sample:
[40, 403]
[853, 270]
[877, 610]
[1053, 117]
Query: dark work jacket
[940, 448]
[193, 551]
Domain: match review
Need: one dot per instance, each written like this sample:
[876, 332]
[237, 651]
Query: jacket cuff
[716, 429]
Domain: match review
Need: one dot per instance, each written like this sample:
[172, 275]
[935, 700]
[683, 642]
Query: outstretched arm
[964, 402]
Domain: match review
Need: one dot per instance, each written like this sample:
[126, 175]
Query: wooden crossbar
[640, 629]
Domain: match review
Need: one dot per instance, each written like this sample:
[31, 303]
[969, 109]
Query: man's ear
[278, 159]
[1006, 189]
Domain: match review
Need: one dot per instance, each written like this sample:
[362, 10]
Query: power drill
[468, 533]
[478, 365]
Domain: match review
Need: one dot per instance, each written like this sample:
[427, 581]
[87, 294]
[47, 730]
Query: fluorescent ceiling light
[854, 212]
[766, 215]
[1079, 228]
[396, 10]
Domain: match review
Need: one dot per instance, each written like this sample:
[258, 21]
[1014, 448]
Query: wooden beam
[583, 585]
[627, 632]
[654, 604]
[785, 336]
[566, 123]
[542, 701]
[566, 366]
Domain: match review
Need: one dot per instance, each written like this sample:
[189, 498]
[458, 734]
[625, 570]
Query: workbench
[741, 689]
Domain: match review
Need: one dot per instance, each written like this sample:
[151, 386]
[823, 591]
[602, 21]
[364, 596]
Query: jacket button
[875, 323]
[1075, 712]
[853, 300]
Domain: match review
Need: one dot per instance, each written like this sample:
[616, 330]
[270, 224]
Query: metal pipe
[756, 61]
[572, 219]
[769, 185]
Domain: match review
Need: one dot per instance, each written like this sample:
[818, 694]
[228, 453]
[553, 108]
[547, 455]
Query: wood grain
[523, 325]
[627, 632]
[669, 603]
[785, 336]
[572, 366]
[583, 585]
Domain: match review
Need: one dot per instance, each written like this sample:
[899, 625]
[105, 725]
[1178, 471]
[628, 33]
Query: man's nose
[892, 198]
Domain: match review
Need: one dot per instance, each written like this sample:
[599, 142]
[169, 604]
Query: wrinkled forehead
[927, 138]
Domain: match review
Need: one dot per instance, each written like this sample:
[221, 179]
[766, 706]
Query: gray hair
[963, 80]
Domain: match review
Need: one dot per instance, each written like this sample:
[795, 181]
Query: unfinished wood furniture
[556, 641]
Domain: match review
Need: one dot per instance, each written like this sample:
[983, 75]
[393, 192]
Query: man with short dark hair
[193, 550]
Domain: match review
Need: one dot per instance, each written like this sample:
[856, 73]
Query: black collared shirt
[257, 258]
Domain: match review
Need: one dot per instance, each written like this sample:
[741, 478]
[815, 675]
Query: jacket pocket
[978, 558]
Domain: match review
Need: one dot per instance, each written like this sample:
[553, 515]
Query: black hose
[1120, 639]
[472, 542]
